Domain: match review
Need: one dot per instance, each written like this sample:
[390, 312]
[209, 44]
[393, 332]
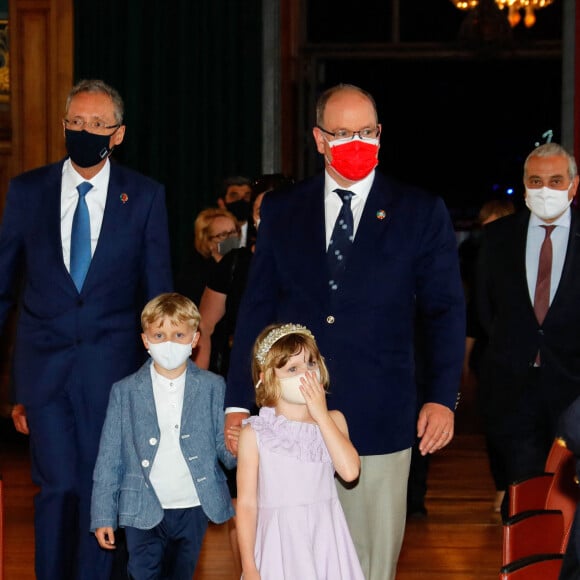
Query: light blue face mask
[226, 246]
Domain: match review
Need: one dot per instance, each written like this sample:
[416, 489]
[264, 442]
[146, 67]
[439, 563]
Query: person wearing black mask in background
[235, 196]
[90, 240]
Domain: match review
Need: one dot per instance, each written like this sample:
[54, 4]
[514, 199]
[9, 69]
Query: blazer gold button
[152, 441]
[330, 319]
[145, 463]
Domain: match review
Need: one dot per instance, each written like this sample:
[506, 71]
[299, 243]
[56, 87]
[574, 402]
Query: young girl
[290, 522]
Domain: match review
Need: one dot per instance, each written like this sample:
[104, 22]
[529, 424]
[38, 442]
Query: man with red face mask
[356, 257]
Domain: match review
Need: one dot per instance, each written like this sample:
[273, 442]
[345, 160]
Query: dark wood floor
[460, 539]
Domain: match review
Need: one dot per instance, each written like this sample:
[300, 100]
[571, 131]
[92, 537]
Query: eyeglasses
[98, 126]
[363, 134]
[224, 235]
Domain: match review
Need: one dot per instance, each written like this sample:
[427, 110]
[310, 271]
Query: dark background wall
[455, 120]
[190, 75]
[459, 116]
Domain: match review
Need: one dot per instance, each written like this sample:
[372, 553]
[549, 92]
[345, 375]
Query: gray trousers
[376, 509]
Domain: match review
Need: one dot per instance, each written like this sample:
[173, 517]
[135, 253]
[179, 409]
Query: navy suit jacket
[403, 263]
[514, 335]
[85, 340]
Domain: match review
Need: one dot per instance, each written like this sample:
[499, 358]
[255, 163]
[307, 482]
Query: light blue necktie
[80, 242]
[341, 239]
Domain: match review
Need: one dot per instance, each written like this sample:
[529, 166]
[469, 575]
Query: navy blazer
[514, 335]
[403, 263]
[122, 490]
[89, 339]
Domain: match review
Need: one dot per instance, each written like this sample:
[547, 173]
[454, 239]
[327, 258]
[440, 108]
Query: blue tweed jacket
[122, 491]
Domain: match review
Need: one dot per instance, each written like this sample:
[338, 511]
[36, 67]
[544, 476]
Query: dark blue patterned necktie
[80, 241]
[341, 239]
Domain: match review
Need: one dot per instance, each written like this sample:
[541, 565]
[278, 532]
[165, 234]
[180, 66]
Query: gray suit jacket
[122, 490]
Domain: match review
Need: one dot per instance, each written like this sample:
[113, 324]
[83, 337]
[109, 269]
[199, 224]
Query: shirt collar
[360, 188]
[71, 177]
[164, 382]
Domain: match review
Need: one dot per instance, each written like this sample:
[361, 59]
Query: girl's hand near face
[315, 396]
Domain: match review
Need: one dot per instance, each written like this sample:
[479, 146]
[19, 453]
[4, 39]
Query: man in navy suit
[76, 326]
[401, 263]
[530, 369]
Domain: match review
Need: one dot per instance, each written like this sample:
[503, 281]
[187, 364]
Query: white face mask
[290, 388]
[169, 355]
[547, 203]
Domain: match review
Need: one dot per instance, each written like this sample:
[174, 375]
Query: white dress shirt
[96, 198]
[536, 236]
[170, 475]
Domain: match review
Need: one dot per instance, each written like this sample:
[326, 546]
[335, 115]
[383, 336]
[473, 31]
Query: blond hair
[176, 307]
[268, 391]
[203, 222]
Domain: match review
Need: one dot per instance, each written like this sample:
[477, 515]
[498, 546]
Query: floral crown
[275, 335]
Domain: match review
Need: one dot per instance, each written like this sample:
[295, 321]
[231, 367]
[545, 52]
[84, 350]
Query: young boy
[157, 472]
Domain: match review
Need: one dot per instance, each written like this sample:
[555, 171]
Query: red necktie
[542, 293]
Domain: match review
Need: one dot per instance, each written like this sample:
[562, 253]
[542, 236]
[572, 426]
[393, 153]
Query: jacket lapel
[374, 225]
[51, 212]
[114, 217]
[143, 400]
[570, 268]
[307, 238]
[519, 241]
[190, 394]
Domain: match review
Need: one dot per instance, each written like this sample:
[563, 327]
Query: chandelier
[514, 7]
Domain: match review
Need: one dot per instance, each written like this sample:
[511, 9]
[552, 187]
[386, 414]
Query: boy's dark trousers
[170, 550]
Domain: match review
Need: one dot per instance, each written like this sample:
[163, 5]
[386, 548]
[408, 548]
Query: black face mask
[86, 149]
[241, 209]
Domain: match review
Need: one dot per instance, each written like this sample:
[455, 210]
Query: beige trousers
[376, 509]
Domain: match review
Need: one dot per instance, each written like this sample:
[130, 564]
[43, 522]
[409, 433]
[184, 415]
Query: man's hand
[232, 424]
[19, 419]
[434, 427]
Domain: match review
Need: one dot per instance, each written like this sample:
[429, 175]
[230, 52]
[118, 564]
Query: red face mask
[354, 159]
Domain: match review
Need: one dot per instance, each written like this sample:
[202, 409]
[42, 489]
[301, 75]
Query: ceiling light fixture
[514, 8]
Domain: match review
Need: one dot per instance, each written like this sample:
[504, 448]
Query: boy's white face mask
[169, 355]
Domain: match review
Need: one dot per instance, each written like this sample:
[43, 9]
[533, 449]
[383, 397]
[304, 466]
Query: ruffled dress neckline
[290, 438]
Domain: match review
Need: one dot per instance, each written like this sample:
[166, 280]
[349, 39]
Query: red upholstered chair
[556, 489]
[541, 511]
[531, 533]
[539, 567]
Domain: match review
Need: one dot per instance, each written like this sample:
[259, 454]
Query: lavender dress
[301, 530]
